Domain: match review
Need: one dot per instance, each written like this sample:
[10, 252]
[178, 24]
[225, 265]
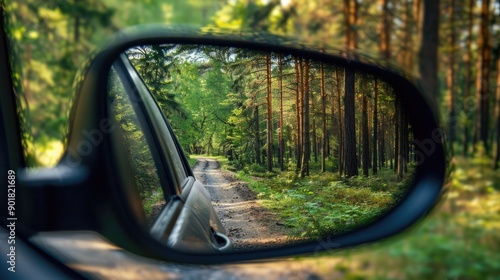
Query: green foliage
[322, 204]
[51, 40]
[443, 248]
[192, 161]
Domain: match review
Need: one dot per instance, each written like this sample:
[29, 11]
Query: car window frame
[159, 131]
[146, 126]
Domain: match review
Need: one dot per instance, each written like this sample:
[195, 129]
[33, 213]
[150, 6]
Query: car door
[187, 219]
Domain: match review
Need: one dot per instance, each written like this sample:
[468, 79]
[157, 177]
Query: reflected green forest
[325, 149]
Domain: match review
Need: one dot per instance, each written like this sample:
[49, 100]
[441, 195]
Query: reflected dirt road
[247, 224]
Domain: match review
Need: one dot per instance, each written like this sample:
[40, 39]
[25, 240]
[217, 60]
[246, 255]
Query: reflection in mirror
[142, 166]
[290, 149]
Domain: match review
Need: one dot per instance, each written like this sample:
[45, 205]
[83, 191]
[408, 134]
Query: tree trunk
[304, 171]
[483, 77]
[381, 147]
[298, 109]
[350, 21]
[390, 149]
[406, 38]
[396, 132]
[314, 138]
[468, 76]
[280, 87]
[385, 30]
[428, 54]
[375, 127]
[351, 164]
[350, 39]
[323, 116]
[365, 136]
[496, 157]
[405, 139]
[450, 76]
[418, 17]
[269, 116]
[399, 142]
[257, 134]
[340, 136]
[359, 142]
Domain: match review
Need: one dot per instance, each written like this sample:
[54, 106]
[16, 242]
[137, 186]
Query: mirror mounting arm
[56, 192]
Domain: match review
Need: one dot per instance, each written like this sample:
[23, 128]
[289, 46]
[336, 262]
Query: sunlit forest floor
[323, 203]
[460, 239]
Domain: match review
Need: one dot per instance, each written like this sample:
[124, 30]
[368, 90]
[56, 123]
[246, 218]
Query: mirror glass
[283, 149]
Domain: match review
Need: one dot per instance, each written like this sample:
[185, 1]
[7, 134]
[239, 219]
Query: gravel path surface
[247, 224]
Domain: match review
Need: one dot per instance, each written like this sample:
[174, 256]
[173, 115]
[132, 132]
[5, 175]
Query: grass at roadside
[323, 203]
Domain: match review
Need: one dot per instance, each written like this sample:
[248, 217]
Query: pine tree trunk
[385, 29]
[304, 171]
[450, 79]
[381, 147]
[257, 134]
[428, 53]
[351, 164]
[323, 116]
[359, 145]
[281, 141]
[375, 127]
[269, 116]
[314, 138]
[396, 133]
[496, 156]
[340, 135]
[482, 82]
[400, 158]
[468, 77]
[298, 109]
[365, 136]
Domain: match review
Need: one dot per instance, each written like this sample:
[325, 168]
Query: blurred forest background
[452, 46]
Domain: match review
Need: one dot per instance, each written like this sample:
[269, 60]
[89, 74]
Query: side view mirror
[320, 150]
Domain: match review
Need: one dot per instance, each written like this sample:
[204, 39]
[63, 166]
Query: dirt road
[247, 224]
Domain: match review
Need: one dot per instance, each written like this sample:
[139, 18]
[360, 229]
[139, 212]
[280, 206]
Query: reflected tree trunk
[298, 109]
[280, 88]
[351, 164]
[256, 121]
[375, 127]
[323, 117]
[304, 171]
[269, 116]
[340, 135]
[364, 135]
